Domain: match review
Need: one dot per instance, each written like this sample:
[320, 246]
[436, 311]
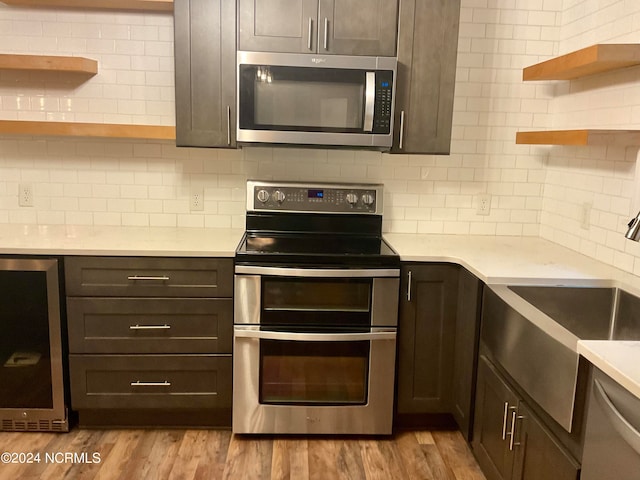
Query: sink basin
[590, 313]
[533, 333]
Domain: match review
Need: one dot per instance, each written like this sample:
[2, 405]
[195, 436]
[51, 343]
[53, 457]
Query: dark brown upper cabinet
[334, 27]
[205, 66]
[427, 53]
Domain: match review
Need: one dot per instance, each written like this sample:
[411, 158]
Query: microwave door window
[305, 99]
[309, 106]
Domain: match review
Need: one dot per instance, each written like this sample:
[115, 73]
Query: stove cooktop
[324, 250]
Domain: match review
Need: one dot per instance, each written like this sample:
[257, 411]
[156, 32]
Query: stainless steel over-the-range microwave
[308, 99]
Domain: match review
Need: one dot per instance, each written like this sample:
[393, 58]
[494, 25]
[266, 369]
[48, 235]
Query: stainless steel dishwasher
[612, 444]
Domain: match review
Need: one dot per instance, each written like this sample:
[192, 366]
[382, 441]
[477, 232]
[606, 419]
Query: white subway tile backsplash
[535, 190]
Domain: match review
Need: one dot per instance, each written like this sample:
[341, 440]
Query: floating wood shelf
[48, 63]
[76, 129]
[587, 61]
[146, 5]
[579, 137]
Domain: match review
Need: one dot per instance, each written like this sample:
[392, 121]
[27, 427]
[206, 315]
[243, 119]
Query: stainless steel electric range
[316, 304]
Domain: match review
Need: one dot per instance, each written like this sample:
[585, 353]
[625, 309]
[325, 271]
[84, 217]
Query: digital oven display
[315, 193]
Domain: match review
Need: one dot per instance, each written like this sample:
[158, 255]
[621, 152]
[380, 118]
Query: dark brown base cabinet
[150, 340]
[509, 440]
[437, 343]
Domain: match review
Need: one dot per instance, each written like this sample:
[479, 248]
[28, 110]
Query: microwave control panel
[356, 198]
[383, 102]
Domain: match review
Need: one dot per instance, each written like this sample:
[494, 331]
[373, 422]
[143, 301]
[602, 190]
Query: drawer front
[150, 381]
[148, 277]
[149, 325]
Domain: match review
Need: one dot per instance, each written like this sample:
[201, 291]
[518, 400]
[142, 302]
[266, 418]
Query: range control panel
[320, 198]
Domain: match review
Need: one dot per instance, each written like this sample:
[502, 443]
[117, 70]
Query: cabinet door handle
[401, 141]
[149, 327]
[512, 433]
[138, 383]
[159, 278]
[309, 37]
[326, 33]
[228, 125]
[409, 286]
[505, 419]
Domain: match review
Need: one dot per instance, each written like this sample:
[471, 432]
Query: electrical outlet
[484, 204]
[25, 195]
[197, 199]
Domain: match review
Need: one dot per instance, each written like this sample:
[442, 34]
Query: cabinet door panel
[427, 51]
[205, 72]
[539, 454]
[358, 27]
[495, 403]
[425, 336]
[278, 25]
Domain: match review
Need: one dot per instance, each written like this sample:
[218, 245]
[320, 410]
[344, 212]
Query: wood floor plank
[381, 459]
[413, 458]
[111, 468]
[290, 459]
[212, 462]
[424, 437]
[249, 458]
[163, 454]
[457, 455]
[139, 459]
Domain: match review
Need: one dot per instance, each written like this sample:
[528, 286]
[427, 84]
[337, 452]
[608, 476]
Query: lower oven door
[325, 383]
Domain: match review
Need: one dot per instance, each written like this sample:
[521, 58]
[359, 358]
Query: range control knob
[263, 196]
[352, 198]
[367, 199]
[279, 196]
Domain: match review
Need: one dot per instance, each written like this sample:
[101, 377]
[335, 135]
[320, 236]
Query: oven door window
[314, 373]
[303, 304]
[302, 99]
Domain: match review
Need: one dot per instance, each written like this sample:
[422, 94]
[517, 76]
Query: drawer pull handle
[138, 383]
[162, 278]
[149, 327]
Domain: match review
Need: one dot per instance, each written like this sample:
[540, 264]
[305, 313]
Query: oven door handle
[252, 332]
[318, 272]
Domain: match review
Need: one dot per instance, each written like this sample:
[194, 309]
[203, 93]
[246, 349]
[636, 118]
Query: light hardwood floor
[218, 454]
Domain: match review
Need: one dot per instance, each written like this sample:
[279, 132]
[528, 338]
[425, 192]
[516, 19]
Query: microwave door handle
[369, 101]
[309, 37]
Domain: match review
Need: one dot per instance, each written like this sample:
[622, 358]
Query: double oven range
[316, 305]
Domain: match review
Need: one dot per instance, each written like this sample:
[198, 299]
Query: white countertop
[528, 260]
[525, 260]
[137, 241]
[620, 360]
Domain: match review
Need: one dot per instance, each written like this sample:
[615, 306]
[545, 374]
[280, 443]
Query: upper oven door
[302, 99]
[316, 300]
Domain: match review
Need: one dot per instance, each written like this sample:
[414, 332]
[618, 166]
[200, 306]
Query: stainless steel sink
[533, 332]
[589, 313]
